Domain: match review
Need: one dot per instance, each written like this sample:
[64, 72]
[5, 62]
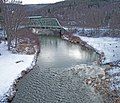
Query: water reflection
[75, 53]
[56, 52]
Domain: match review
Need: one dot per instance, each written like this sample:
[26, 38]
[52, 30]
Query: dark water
[45, 84]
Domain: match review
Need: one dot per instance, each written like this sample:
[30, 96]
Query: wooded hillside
[84, 13]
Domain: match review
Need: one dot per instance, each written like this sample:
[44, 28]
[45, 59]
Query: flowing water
[47, 83]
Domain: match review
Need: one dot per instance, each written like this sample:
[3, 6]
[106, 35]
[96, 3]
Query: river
[51, 81]
[59, 53]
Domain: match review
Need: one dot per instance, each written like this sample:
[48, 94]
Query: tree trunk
[9, 43]
[9, 37]
[16, 41]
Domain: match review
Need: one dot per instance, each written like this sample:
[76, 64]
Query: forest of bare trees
[85, 13]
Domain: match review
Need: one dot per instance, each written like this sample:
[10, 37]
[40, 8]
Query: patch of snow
[114, 73]
[1, 33]
[114, 70]
[11, 67]
[64, 37]
[88, 30]
[115, 87]
[115, 83]
[65, 28]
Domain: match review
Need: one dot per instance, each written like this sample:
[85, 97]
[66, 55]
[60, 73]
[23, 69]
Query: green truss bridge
[44, 23]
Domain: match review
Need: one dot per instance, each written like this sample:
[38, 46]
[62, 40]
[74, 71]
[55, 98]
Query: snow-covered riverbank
[11, 66]
[110, 46]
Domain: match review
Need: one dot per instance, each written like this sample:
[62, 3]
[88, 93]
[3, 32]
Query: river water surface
[47, 83]
[59, 53]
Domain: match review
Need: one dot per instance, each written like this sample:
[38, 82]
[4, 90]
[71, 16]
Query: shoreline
[10, 94]
[12, 90]
[86, 46]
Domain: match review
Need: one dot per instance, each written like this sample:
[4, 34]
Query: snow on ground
[110, 46]
[89, 30]
[114, 73]
[11, 66]
[1, 33]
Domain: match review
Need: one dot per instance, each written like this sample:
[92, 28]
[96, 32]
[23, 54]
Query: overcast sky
[39, 1]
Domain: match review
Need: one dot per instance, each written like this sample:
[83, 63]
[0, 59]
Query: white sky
[39, 1]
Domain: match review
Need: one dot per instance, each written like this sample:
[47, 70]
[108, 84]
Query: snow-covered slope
[110, 46]
[11, 66]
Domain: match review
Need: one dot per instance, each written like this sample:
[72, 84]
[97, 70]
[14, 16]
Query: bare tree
[14, 19]
[1, 4]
